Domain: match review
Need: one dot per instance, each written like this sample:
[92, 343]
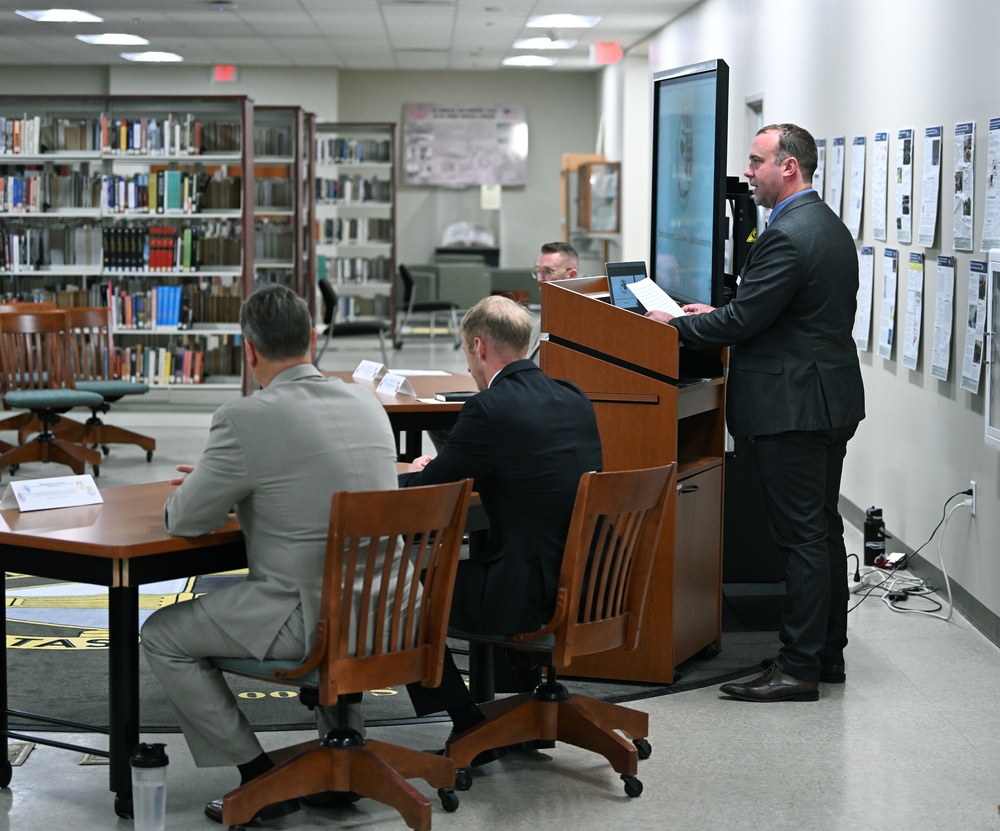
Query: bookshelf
[143, 204]
[355, 217]
[281, 196]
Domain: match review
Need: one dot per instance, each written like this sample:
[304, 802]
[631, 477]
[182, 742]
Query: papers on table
[653, 298]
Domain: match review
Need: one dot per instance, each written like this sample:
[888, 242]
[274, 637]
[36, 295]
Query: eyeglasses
[548, 272]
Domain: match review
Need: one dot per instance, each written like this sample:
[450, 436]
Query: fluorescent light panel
[544, 43]
[562, 21]
[114, 39]
[61, 16]
[152, 57]
[529, 60]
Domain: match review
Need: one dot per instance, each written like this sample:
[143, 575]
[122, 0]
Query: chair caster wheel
[123, 805]
[644, 748]
[463, 779]
[449, 799]
[106, 450]
[149, 455]
[14, 469]
[97, 471]
[633, 787]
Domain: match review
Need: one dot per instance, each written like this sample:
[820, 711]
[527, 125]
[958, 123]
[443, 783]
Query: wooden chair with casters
[605, 571]
[36, 376]
[92, 359]
[24, 423]
[385, 628]
[348, 328]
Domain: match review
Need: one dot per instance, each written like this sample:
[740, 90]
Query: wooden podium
[656, 402]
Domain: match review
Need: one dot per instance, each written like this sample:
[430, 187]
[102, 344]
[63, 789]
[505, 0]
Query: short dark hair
[564, 248]
[501, 322]
[798, 143]
[277, 322]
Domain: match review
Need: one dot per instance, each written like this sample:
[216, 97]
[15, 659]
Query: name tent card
[56, 492]
[369, 371]
[393, 384]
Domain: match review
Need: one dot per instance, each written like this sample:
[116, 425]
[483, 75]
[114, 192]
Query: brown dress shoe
[773, 685]
[828, 673]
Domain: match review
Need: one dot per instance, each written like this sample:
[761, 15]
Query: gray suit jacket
[794, 365]
[278, 456]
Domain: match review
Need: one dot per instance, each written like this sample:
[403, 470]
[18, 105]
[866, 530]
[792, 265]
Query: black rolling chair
[431, 308]
[348, 328]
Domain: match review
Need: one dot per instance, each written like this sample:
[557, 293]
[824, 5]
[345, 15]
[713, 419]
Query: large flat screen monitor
[690, 123]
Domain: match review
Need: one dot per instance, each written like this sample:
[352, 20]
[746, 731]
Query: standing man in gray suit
[277, 457]
[795, 398]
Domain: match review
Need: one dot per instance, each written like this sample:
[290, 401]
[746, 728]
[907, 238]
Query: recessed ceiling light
[544, 43]
[152, 57]
[61, 16]
[529, 60]
[562, 21]
[114, 39]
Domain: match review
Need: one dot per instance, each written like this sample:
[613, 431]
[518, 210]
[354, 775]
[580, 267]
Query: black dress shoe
[773, 685]
[330, 799]
[828, 673]
[279, 809]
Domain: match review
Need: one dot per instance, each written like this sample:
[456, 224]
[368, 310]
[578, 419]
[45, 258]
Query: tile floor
[908, 743]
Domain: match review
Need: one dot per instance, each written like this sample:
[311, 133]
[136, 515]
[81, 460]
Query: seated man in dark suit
[525, 439]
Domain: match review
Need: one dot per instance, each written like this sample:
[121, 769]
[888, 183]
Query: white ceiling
[348, 34]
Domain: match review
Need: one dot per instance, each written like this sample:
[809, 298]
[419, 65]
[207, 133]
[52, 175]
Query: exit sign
[223, 73]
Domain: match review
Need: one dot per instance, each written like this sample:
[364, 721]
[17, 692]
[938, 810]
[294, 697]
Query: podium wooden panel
[656, 402]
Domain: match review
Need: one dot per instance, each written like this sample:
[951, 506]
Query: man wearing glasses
[558, 261]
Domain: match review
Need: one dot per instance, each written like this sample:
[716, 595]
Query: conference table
[411, 415]
[120, 544]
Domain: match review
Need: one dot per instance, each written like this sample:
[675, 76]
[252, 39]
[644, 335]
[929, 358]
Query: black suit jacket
[794, 365]
[525, 440]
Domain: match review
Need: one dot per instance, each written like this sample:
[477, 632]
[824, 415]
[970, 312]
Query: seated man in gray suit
[278, 456]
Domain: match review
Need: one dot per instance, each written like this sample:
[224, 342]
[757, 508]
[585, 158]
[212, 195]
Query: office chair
[36, 376]
[347, 328]
[612, 540]
[382, 625]
[92, 360]
[429, 307]
[24, 423]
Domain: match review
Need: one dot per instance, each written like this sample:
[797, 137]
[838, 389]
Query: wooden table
[120, 544]
[411, 415]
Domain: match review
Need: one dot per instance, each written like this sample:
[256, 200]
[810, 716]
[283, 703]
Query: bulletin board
[464, 146]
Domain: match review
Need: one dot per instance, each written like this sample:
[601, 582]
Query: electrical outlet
[972, 487]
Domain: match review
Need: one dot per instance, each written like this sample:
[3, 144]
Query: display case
[355, 225]
[143, 204]
[599, 196]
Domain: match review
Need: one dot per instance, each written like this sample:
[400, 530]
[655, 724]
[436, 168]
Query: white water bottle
[149, 786]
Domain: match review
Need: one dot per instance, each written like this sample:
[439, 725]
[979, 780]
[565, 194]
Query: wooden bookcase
[355, 226]
[143, 203]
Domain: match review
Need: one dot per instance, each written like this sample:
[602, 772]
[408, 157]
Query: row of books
[124, 248]
[340, 150]
[137, 305]
[145, 135]
[273, 141]
[274, 192]
[355, 269]
[353, 230]
[273, 242]
[350, 189]
[165, 191]
[143, 363]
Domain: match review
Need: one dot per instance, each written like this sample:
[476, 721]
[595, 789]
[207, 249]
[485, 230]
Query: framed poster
[464, 146]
